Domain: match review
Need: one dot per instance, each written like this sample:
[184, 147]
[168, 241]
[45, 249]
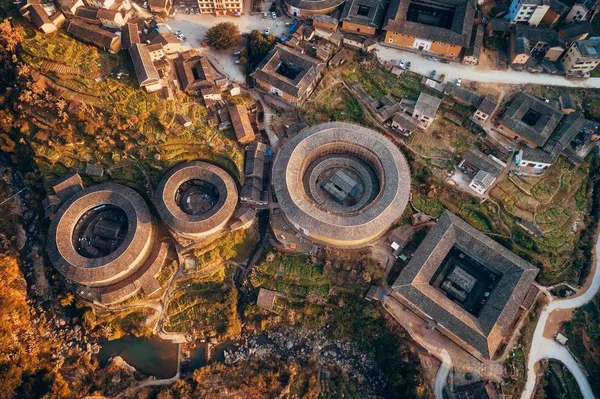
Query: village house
[485, 109]
[451, 277]
[529, 119]
[555, 13]
[575, 31]
[358, 42]
[130, 35]
[530, 12]
[404, 124]
[286, 73]
[325, 22]
[215, 7]
[113, 19]
[156, 52]
[193, 72]
[574, 137]
[242, 126]
[69, 7]
[582, 57]
[438, 27]
[146, 73]
[497, 28]
[540, 43]
[425, 110]
[482, 169]
[472, 54]
[170, 43]
[44, 17]
[582, 10]
[160, 6]
[567, 102]
[363, 17]
[94, 35]
[89, 15]
[253, 192]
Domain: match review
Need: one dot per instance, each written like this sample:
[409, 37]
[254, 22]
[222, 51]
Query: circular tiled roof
[314, 5]
[205, 223]
[120, 263]
[353, 228]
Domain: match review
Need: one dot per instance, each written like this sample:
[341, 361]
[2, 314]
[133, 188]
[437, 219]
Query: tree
[223, 36]
[258, 46]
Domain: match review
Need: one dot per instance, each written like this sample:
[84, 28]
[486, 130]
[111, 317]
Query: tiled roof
[463, 94]
[459, 34]
[130, 35]
[91, 34]
[309, 70]
[427, 105]
[575, 30]
[374, 17]
[193, 71]
[482, 334]
[479, 160]
[241, 123]
[204, 223]
[488, 105]
[144, 69]
[540, 131]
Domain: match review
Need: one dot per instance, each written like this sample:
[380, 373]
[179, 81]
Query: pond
[150, 356]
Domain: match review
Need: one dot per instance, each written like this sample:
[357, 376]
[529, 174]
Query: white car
[458, 81]
[401, 63]
[267, 31]
[273, 15]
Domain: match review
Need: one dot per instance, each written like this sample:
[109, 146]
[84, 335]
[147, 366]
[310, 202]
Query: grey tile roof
[374, 17]
[204, 223]
[193, 71]
[479, 160]
[427, 105]
[92, 34]
[482, 334]
[464, 95]
[560, 139]
[499, 25]
[459, 34]
[535, 35]
[539, 133]
[476, 44]
[488, 105]
[405, 121]
[145, 71]
[575, 30]
[309, 68]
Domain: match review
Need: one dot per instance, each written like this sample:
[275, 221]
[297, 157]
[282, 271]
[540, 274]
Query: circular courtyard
[196, 199]
[101, 235]
[341, 184]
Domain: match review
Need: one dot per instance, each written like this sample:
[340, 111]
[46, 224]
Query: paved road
[422, 65]
[544, 348]
[442, 374]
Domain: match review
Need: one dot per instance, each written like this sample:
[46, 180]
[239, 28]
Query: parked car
[237, 53]
[432, 74]
[266, 15]
[442, 77]
[273, 15]
[431, 58]
[273, 6]
[402, 63]
[458, 81]
[443, 61]
[407, 66]
[267, 31]
[197, 11]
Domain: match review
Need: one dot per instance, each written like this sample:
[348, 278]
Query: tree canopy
[223, 36]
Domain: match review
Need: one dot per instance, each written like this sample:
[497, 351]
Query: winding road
[545, 348]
